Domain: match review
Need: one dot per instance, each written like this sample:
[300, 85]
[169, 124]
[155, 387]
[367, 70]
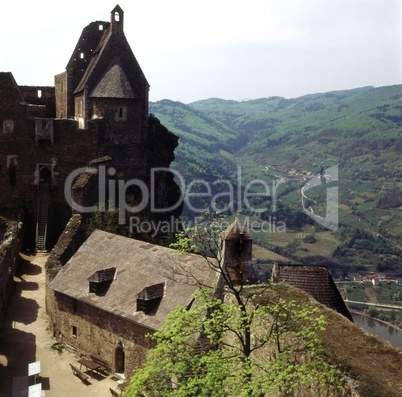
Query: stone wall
[41, 100]
[72, 149]
[10, 245]
[60, 82]
[89, 330]
[67, 245]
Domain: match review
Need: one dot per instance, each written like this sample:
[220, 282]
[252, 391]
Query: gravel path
[25, 338]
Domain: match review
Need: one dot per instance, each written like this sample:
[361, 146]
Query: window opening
[150, 297]
[8, 126]
[39, 93]
[74, 331]
[116, 16]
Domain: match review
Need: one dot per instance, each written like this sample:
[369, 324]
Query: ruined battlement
[97, 108]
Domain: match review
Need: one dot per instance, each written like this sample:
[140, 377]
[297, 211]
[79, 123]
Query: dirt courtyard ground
[25, 339]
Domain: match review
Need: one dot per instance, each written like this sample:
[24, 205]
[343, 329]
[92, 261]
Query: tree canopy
[237, 338]
[202, 351]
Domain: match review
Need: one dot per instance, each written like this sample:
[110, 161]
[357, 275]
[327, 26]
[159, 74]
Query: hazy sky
[191, 50]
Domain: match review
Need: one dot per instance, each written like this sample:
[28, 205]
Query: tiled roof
[316, 281]
[115, 84]
[139, 265]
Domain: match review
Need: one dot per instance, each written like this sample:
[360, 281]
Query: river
[379, 328]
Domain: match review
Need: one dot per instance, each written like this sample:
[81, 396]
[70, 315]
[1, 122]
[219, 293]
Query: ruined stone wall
[60, 82]
[123, 118]
[92, 331]
[67, 245]
[72, 149]
[161, 144]
[39, 96]
[10, 245]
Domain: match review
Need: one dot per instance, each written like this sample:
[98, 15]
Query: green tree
[201, 351]
[237, 339]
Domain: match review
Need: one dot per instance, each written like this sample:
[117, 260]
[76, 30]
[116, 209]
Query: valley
[279, 145]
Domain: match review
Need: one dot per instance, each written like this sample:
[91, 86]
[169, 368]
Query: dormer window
[149, 297]
[101, 280]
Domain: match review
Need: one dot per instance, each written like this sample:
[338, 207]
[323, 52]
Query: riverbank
[375, 318]
[379, 329]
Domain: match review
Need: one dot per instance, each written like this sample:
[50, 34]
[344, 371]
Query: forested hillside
[288, 142]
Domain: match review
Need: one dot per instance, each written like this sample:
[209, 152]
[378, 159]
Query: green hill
[291, 140]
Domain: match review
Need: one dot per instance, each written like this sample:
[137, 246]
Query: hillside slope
[275, 139]
[373, 365]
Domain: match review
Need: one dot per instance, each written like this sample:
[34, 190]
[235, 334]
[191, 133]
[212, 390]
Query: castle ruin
[95, 115]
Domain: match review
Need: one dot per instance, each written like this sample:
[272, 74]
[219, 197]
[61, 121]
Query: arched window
[116, 16]
[121, 113]
[119, 358]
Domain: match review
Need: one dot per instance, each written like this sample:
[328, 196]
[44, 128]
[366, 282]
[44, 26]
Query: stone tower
[95, 115]
[104, 81]
[236, 254]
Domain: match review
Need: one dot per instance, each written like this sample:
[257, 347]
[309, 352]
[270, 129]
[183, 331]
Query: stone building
[96, 114]
[115, 290]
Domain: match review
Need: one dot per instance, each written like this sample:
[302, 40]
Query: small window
[12, 165]
[12, 175]
[39, 93]
[8, 126]
[12, 160]
[82, 55]
[121, 113]
[74, 331]
[116, 16]
[100, 27]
